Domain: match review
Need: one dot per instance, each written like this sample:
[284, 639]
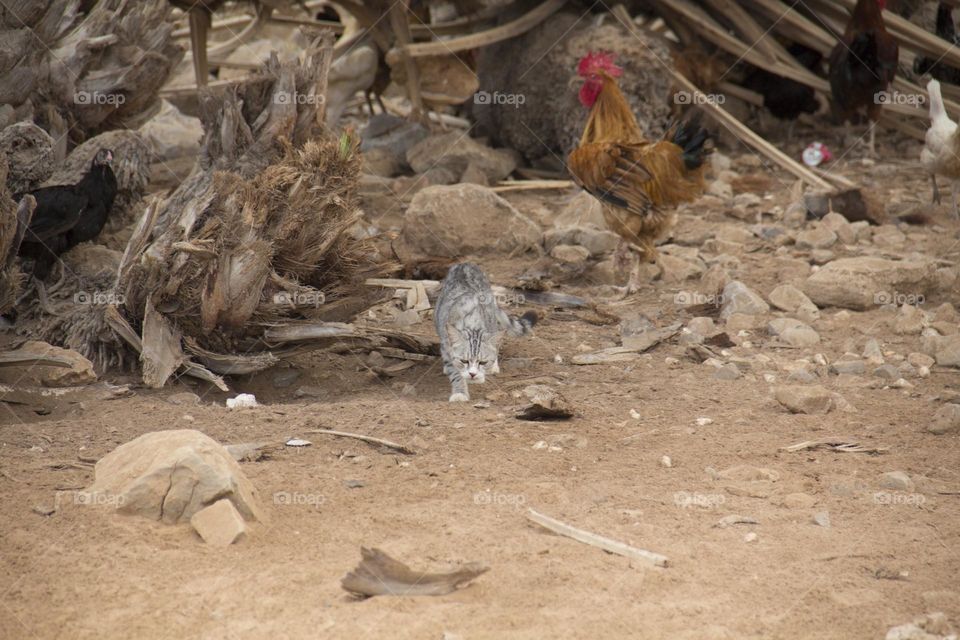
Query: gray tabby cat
[471, 327]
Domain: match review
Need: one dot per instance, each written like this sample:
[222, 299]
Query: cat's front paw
[459, 397]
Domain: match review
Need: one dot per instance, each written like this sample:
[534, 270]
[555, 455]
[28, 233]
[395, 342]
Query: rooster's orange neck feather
[611, 119]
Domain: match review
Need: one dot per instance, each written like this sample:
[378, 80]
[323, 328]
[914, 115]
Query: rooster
[637, 181]
[942, 146]
[862, 65]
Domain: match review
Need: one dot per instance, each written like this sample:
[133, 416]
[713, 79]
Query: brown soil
[84, 572]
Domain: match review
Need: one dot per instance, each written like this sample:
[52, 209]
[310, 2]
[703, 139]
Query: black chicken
[67, 215]
[946, 30]
[787, 99]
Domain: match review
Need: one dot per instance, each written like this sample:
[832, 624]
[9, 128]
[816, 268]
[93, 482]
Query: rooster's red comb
[597, 61]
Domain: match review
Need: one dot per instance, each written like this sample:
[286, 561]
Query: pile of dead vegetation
[255, 240]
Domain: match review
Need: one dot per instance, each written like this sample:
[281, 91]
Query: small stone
[184, 398]
[945, 349]
[751, 537]
[308, 391]
[821, 256]
[872, 352]
[720, 189]
[242, 401]
[946, 420]
[909, 321]
[703, 326]
[787, 297]
[887, 372]
[354, 484]
[902, 383]
[702, 422]
[822, 519]
[818, 238]
[814, 399]
[220, 524]
[739, 322]
[799, 501]
[849, 367]
[897, 481]
[285, 378]
[570, 254]
[665, 461]
[738, 298]
[803, 376]
[920, 360]
[727, 372]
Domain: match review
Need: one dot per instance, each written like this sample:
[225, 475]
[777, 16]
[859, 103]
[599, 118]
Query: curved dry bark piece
[380, 575]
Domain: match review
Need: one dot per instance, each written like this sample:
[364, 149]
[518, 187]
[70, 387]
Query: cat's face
[474, 355]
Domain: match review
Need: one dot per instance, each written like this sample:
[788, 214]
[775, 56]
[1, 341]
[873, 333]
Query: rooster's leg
[873, 135]
[936, 190]
[953, 191]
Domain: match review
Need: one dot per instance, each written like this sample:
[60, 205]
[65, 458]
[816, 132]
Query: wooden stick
[18, 358]
[401, 30]
[527, 185]
[594, 540]
[475, 40]
[368, 439]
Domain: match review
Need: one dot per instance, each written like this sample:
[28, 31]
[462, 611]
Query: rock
[714, 280]
[946, 313]
[676, 269]
[171, 134]
[751, 537]
[920, 360]
[721, 189]
[888, 235]
[932, 626]
[787, 297]
[909, 321]
[798, 501]
[813, 399]
[738, 298]
[184, 398]
[285, 378]
[220, 524]
[793, 332]
[817, 238]
[738, 322]
[887, 372]
[475, 175]
[848, 367]
[864, 282]
[841, 226]
[545, 404]
[570, 254]
[727, 372]
[595, 241]
[872, 352]
[733, 233]
[897, 481]
[583, 211]
[456, 151]
[242, 401]
[795, 216]
[703, 326]
[391, 136]
[803, 376]
[944, 349]
[309, 391]
[78, 372]
[945, 420]
[451, 221]
[822, 519]
[171, 475]
[380, 162]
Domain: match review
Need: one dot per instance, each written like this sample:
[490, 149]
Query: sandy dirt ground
[886, 557]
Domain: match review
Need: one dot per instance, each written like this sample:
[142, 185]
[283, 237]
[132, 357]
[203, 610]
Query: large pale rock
[946, 420]
[456, 152]
[793, 332]
[450, 221]
[220, 524]
[171, 475]
[865, 282]
[787, 297]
